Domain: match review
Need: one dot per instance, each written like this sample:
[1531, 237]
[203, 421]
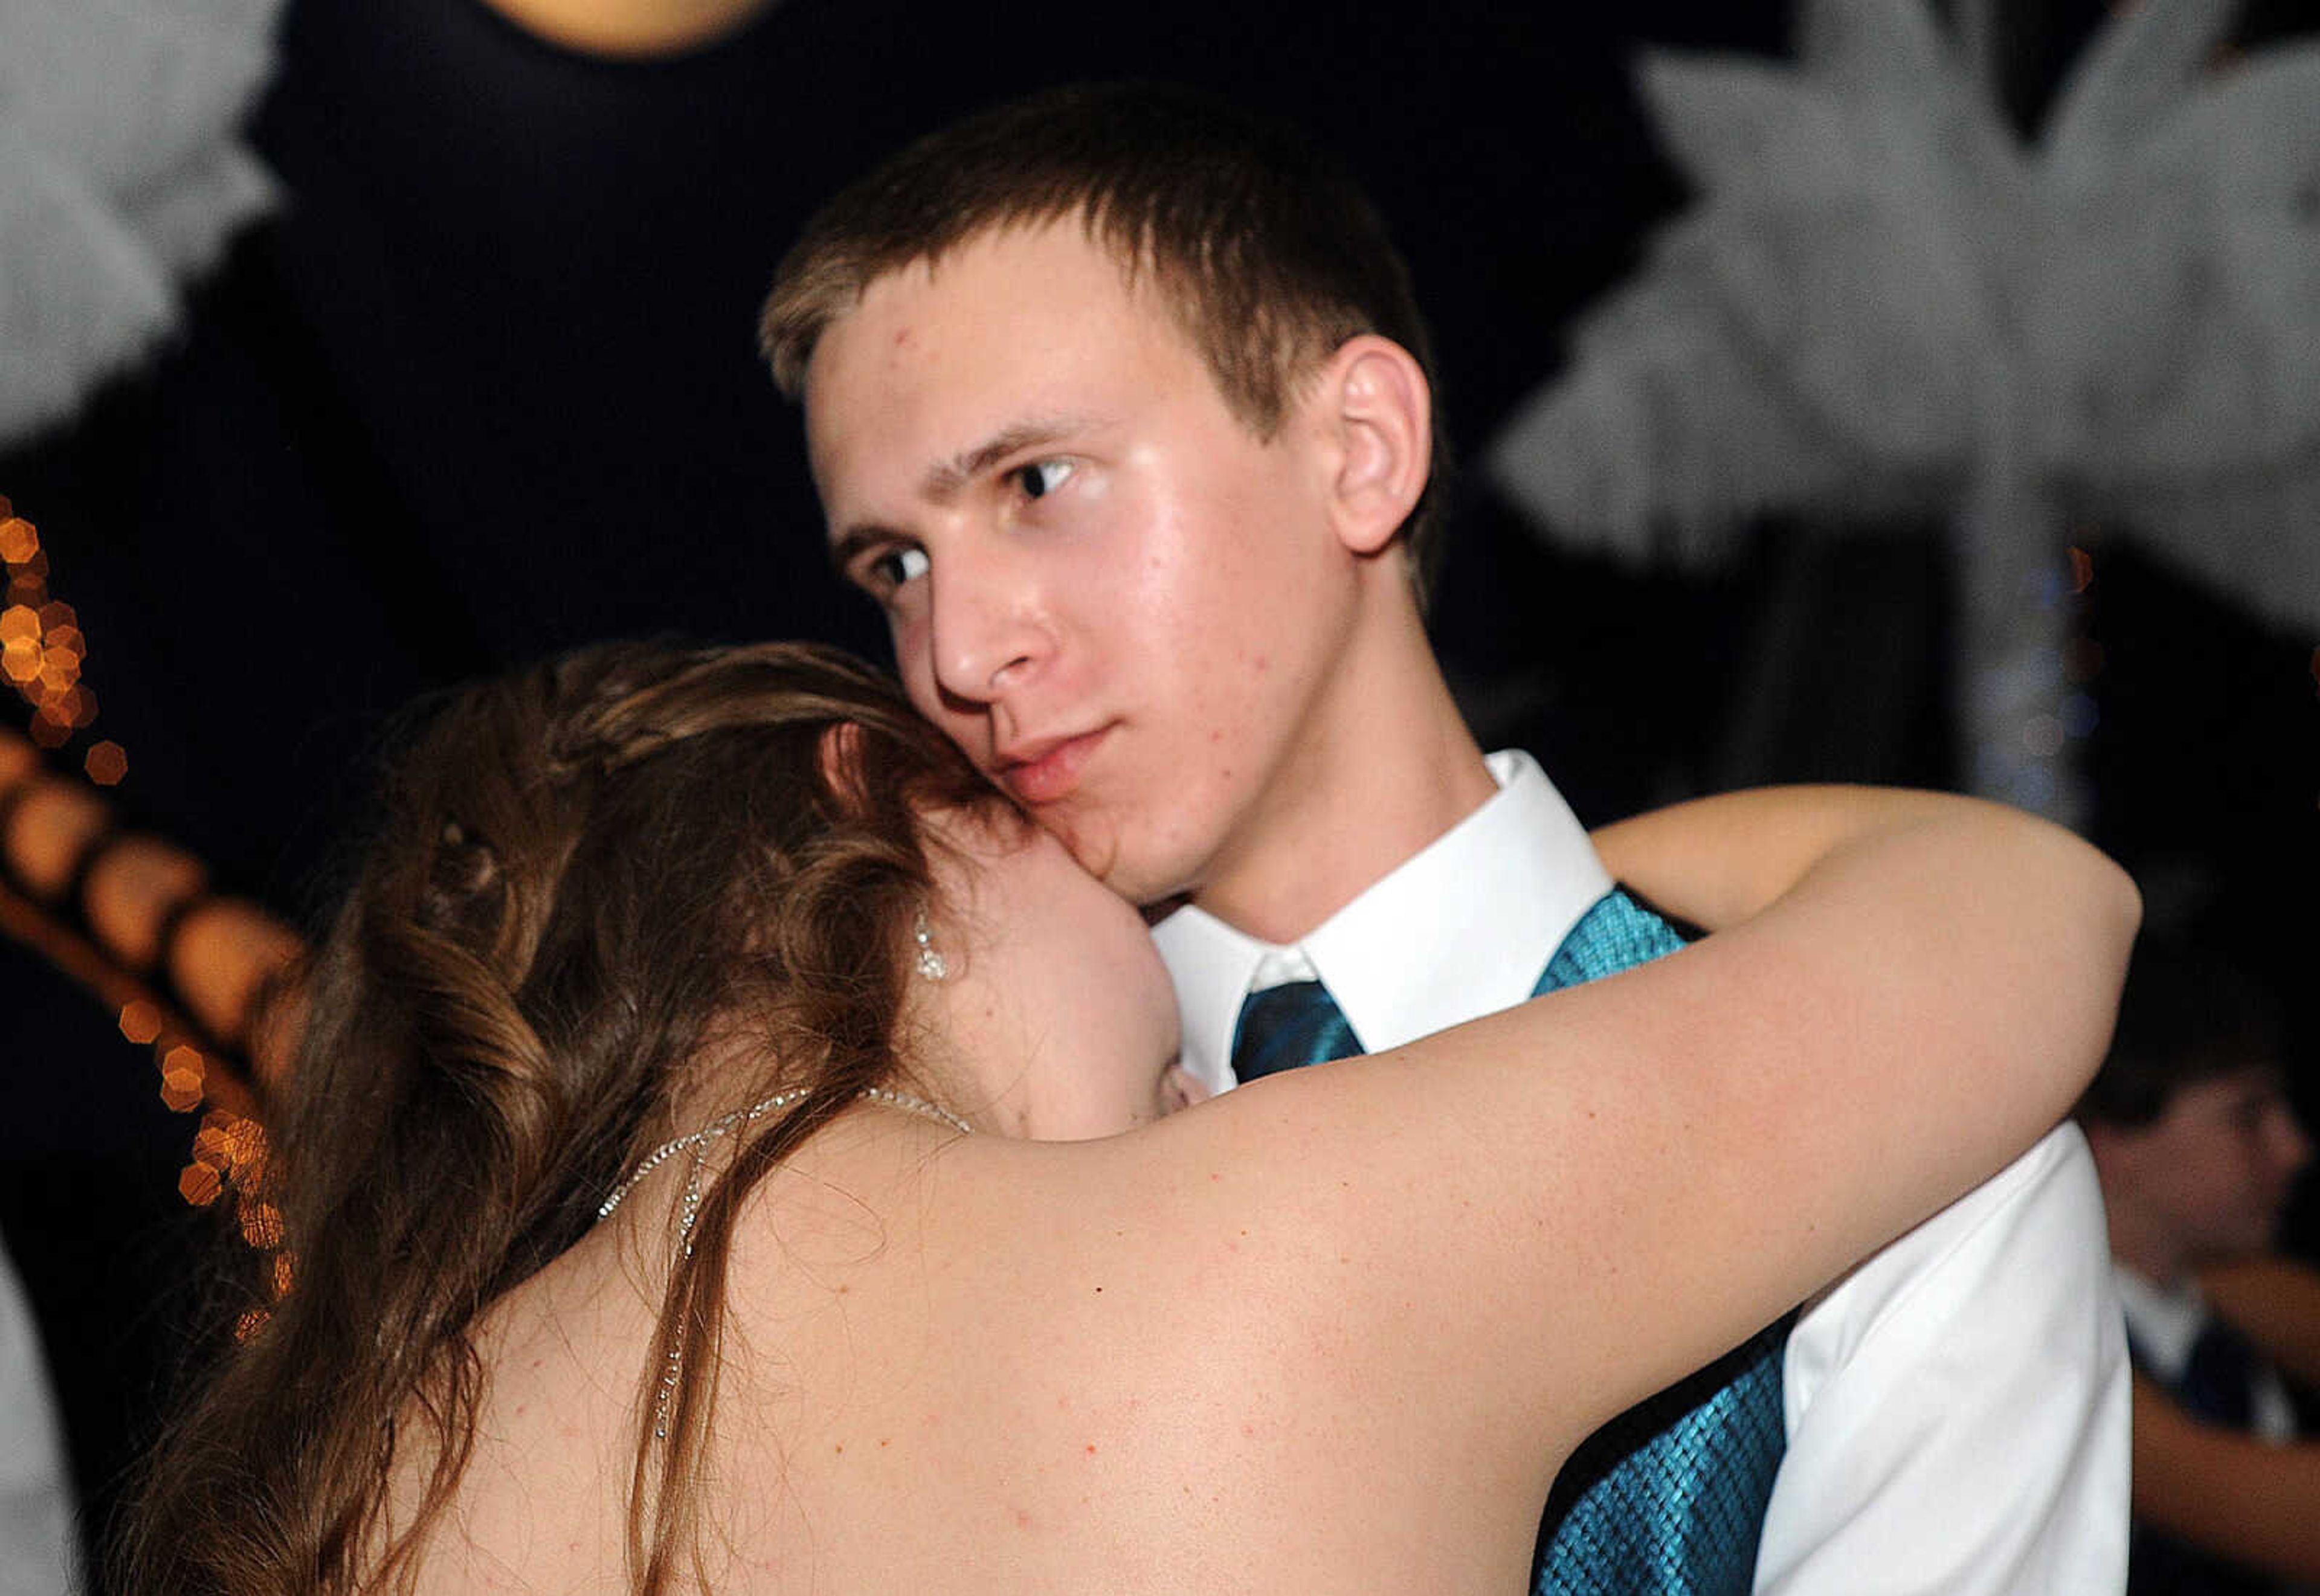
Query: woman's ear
[1379, 411]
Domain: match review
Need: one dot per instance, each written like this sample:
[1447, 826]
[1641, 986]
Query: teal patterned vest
[1669, 1498]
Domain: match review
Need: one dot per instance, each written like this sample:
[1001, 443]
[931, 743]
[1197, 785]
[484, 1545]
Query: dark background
[485, 387]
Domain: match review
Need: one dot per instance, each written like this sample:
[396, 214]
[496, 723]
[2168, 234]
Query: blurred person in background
[2199, 1149]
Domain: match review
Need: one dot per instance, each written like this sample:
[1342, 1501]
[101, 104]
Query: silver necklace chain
[718, 1126]
[699, 1140]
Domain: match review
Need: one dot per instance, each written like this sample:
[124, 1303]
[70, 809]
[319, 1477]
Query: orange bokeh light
[183, 1070]
[20, 540]
[141, 1021]
[245, 1147]
[199, 1185]
[261, 1224]
[106, 763]
[210, 1147]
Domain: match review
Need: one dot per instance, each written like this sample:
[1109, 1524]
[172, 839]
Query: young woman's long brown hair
[590, 874]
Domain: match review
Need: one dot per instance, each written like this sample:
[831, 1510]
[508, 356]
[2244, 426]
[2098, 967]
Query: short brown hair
[2185, 1016]
[1267, 253]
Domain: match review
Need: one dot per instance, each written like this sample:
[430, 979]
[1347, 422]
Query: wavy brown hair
[589, 873]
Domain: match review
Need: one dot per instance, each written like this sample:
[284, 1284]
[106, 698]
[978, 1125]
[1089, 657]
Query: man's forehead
[969, 333]
[1052, 267]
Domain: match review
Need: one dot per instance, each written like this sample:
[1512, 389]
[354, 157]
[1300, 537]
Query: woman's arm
[1716, 861]
[1558, 1209]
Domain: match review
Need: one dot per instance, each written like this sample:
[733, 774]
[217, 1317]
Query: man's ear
[1375, 401]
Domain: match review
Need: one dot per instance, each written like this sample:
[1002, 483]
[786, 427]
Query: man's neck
[1387, 767]
[2143, 1245]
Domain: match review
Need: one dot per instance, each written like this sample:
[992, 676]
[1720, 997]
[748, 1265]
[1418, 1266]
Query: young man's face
[1121, 602]
[2218, 1163]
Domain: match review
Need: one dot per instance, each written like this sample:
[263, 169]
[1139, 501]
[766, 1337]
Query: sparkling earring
[932, 964]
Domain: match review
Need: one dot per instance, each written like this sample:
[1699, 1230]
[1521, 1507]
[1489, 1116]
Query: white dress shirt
[2167, 1320]
[1956, 1407]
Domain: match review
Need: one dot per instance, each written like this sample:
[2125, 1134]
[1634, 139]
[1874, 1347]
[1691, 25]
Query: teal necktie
[1669, 1499]
[1289, 1027]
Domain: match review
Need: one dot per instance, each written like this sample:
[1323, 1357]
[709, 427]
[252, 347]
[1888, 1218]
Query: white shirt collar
[1460, 929]
[2164, 1321]
[2167, 1321]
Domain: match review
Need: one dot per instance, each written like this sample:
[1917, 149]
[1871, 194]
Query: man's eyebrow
[847, 544]
[947, 477]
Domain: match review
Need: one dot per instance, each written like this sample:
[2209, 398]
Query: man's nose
[991, 627]
[2291, 1145]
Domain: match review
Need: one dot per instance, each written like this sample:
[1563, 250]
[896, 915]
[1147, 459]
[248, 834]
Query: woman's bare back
[935, 1378]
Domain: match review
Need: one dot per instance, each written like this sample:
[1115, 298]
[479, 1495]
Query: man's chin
[1160, 909]
[1128, 873]
[1093, 845]
[1094, 841]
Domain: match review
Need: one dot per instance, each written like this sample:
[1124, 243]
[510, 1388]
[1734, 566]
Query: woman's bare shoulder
[542, 1502]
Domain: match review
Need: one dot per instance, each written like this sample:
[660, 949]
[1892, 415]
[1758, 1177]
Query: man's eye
[897, 566]
[1042, 478]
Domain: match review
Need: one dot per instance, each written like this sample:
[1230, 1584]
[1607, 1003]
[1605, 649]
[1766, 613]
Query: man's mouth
[1045, 769]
